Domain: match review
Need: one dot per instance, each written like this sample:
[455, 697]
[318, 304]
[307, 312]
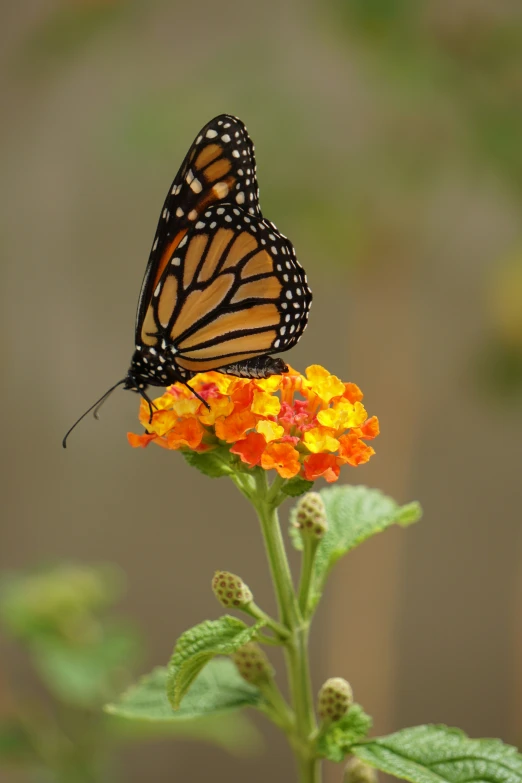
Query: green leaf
[438, 754]
[296, 486]
[337, 740]
[207, 713]
[15, 743]
[89, 674]
[59, 602]
[211, 463]
[218, 688]
[197, 646]
[354, 514]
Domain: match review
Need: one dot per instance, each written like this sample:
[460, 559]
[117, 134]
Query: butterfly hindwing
[232, 290]
[219, 166]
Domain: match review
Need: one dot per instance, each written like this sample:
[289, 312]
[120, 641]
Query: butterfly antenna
[94, 407]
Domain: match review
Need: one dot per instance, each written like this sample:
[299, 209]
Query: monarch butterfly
[223, 288]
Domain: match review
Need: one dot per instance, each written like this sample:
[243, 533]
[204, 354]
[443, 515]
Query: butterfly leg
[146, 397]
[205, 403]
[257, 367]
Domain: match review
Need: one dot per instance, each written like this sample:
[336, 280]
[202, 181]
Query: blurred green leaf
[196, 647]
[87, 675]
[438, 754]
[61, 601]
[15, 742]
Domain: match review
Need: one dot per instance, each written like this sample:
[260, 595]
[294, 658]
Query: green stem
[309, 550]
[275, 549]
[257, 613]
[296, 645]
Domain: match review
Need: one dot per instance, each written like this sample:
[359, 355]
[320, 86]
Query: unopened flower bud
[311, 516]
[252, 664]
[335, 699]
[356, 771]
[230, 590]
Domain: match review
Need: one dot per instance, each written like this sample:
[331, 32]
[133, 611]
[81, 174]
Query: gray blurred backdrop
[388, 141]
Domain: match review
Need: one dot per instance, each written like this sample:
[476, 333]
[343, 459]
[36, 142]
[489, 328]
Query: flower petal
[265, 405]
[323, 384]
[325, 465]
[270, 429]
[234, 427]
[283, 458]
[140, 441]
[250, 448]
[186, 432]
[320, 439]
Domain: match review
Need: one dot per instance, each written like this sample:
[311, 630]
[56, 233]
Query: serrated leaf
[296, 486]
[197, 646]
[211, 463]
[218, 688]
[337, 740]
[438, 754]
[354, 514]
[208, 713]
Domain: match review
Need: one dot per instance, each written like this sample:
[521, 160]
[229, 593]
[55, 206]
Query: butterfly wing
[219, 166]
[232, 290]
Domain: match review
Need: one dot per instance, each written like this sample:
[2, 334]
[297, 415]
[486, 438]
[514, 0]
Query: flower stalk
[296, 643]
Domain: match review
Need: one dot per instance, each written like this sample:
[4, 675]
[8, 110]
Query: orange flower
[139, 441]
[321, 465]
[233, 427]
[283, 457]
[353, 450]
[250, 449]
[308, 425]
[187, 432]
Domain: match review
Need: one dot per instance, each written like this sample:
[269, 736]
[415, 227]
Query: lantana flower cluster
[299, 425]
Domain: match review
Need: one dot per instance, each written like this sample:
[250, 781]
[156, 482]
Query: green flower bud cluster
[230, 590]
[252, 664]
[356, 771]
[335, 699]
[311, 516]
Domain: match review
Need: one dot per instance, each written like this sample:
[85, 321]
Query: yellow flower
[323, 384]
[265, 404]
[345, 414]
[270, 430]
[320, 439]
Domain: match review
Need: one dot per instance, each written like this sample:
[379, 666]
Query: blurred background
[388, 141]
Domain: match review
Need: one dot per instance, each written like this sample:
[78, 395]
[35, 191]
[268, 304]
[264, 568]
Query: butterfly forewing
[219, 166]
[232, 290]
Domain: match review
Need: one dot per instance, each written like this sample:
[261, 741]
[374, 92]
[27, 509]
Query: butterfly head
[152, 367]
